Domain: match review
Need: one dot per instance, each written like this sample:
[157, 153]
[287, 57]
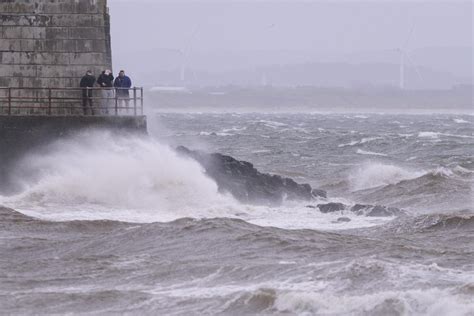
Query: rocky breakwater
[247, 184]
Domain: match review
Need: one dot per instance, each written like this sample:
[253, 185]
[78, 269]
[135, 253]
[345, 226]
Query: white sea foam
[371, 153]
[261, 151]
[360, 142]
[234, 129]
[352, 143]
[273, 124]
[369, 139]
[428, 134]
[100, 176]
[460, 121]
[410, 302]
[375, 174]
[436, 135]
[332, 291]
[443, 172]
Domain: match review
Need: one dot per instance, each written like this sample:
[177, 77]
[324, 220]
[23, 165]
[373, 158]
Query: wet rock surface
[331, 207]
[343, 220]
[360, 209]
[376, 210]
[246, 183]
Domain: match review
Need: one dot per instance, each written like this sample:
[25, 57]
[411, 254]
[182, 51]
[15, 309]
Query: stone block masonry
[46, 43]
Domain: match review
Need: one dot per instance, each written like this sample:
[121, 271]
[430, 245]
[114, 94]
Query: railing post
[49, 102]
[116, 102]
[141, 100]
[134, 101]
[9, 101]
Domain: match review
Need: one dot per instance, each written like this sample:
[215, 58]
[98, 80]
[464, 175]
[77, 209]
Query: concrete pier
[46, 47]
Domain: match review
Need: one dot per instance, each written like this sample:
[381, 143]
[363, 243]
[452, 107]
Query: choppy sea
[109, 224]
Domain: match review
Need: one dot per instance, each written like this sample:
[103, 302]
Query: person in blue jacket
[122, 85]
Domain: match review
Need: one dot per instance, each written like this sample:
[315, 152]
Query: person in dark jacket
[106, 81]
[87, 82]
[122, 85]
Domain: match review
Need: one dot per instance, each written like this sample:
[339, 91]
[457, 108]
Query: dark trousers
[123, 97]
[87, 100]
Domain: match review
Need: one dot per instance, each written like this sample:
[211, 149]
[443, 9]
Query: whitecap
[369, 139]
[360, 142]
[435, 135]
[376, 174]
[273, 124]
[364, 152]
[352, 143]
[428, 135]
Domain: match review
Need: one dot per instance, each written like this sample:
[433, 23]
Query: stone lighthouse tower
[45, 43]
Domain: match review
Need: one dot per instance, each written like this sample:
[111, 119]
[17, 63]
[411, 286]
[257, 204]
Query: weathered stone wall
[51, 43]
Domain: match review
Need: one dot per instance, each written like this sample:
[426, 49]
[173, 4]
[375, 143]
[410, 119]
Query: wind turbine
[405, 55]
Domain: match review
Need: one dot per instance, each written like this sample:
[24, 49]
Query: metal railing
[71, 101]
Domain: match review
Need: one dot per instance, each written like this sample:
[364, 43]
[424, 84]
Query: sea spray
[97, 175]
[96, 170]
[373, 174]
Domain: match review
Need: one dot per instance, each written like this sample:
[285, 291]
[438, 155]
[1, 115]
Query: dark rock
[343, 220]
[331, 207]
[360, 209]
[383, 211]
[319, 193]
[310, 206]
[376, 211]
[247, 184]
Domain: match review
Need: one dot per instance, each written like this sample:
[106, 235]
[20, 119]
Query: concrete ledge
[61, 125]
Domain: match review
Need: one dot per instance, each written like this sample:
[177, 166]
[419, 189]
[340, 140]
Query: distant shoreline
[312, 100]
[157, 110]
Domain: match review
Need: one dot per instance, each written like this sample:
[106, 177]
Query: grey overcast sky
[295, 31]
[246, 25]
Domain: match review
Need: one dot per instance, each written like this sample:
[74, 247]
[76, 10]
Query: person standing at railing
[122, 85]
[106, 81]
[87, 83]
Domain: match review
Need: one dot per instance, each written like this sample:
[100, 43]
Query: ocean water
[111, 224]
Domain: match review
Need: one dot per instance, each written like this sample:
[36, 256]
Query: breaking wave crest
[376, 174]
[444, 222]
[97, 175]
